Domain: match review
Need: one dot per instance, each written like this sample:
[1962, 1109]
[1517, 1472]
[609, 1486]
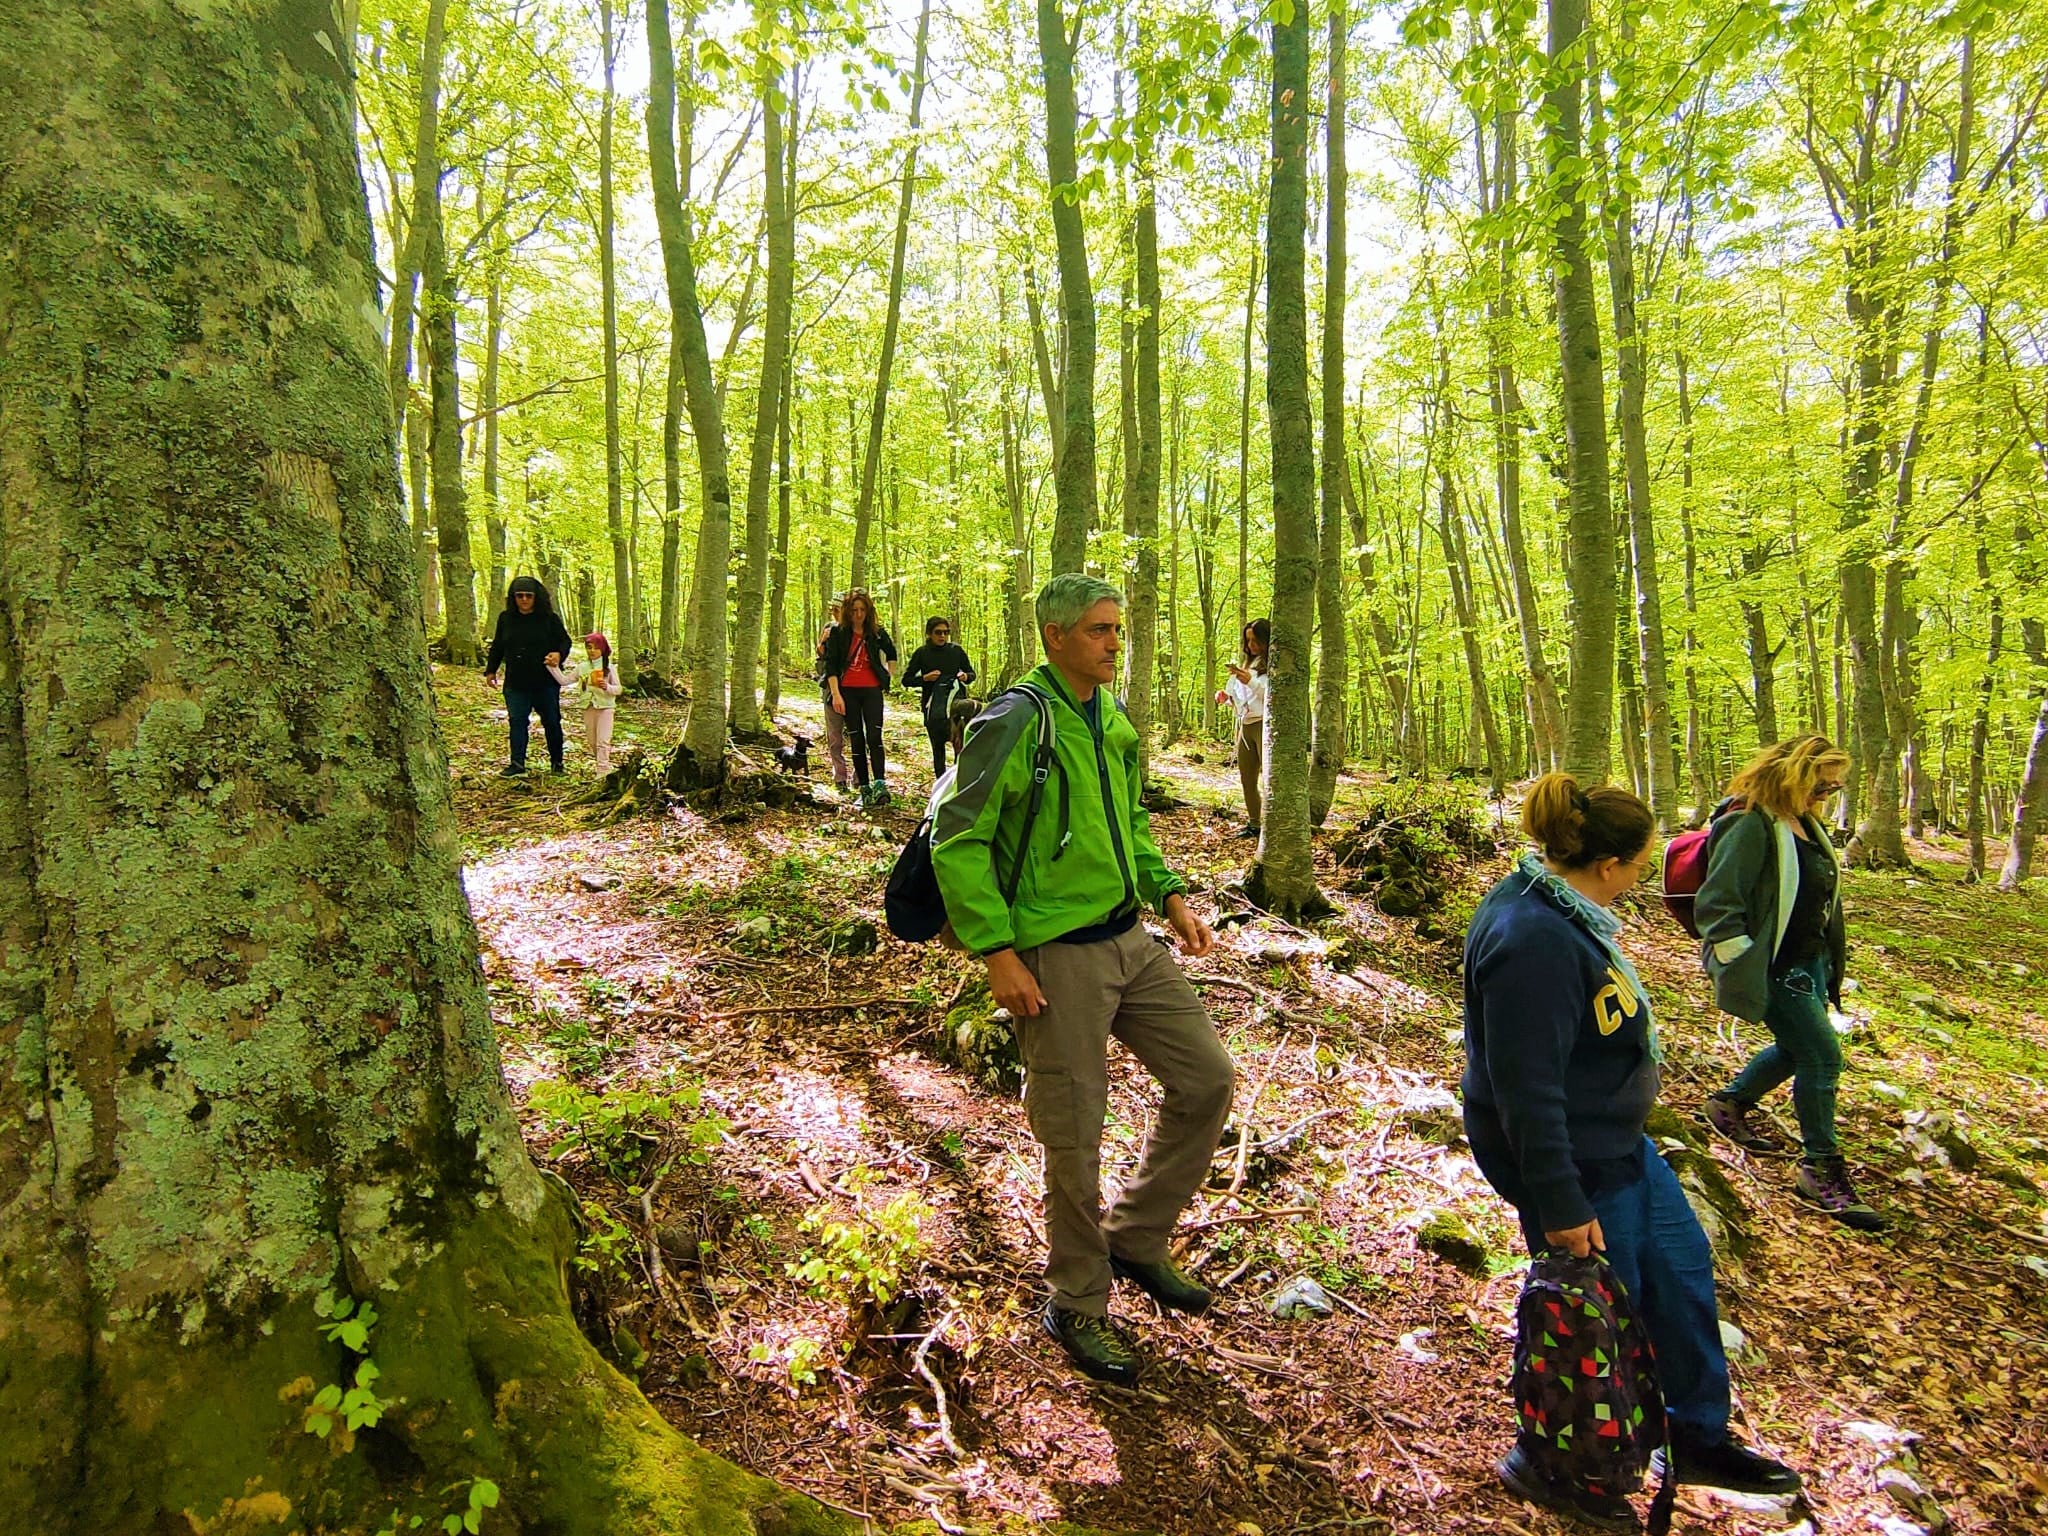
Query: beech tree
[260, 1153]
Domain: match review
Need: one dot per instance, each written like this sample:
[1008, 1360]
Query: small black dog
[795, 758]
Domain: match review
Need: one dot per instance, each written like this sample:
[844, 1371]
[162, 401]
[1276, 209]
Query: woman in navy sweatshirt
[1561, 1071]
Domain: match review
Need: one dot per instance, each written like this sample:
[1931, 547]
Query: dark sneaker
[1731, 1465]
[881, 796]
[1521, 1476]
[555, 768]
[512, 771]
[1165, 1282]
[1825, 1183]
[1093, 1344]
[1247, 831]
[1736, 1122]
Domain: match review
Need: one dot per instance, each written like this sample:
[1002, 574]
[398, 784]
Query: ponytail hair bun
[1576, 827]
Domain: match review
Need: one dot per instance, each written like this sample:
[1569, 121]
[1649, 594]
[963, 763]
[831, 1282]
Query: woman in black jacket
[856, 672]
[1561, 1070]
[939, 668]
[530, 645]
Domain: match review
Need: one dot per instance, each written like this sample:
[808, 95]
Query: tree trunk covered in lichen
[249, 1055]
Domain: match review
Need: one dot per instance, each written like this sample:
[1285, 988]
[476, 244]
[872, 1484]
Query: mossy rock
[1451, 1238]
[978, 1038]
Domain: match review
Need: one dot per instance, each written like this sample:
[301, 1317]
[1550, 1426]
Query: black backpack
[912, 904]
[1585, 1381]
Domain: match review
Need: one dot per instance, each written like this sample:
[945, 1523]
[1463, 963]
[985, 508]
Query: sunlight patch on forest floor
[841, 1223]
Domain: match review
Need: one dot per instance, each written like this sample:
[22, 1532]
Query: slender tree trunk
[1631, 369]
[1333, 671]
[1546, 710]
[1283, 877]
[871, 463]
[1244, 450]
[1075, 511]
[671, 509]
[494, 509]
[2032, 809]
[1458, 565]
[1590, 570]
[250, 1051]
[607, 266]
[451, 511]
[753, 583]
[410, 258]
[703, 759]
[1144, 480]
[1016, 568]
[778, 572]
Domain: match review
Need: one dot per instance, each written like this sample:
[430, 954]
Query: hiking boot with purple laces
[1737, 1122]
[1825, 1182]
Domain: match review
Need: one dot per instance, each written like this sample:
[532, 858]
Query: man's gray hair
[1063, 600]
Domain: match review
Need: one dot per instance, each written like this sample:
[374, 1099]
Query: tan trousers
[1128, 988]
[1251, 738]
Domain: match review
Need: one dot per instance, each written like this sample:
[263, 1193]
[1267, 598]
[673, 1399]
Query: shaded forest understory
[813, 1229]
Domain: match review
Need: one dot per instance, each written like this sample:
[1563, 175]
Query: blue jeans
[545, 702]
[1805, 1048]
[1661, 1257]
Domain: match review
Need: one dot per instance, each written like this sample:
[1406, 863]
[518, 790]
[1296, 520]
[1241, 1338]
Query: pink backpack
[1685, 868]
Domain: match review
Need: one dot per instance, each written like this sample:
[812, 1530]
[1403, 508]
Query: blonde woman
[1772, 939]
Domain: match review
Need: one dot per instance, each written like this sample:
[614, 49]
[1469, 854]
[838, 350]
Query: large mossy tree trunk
[1074, 491]
[1590, 567]
[1283, 877]
[250, 1051]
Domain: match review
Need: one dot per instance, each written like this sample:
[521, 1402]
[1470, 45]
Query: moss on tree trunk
[249, 1053]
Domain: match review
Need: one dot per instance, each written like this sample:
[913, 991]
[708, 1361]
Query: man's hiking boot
[1730, 1465]
[1825, 1182]
[512, 771]
[1736, 1122]
[1165, 1282]
[1521, 1475]
[1249, 831]
[1092, 1343]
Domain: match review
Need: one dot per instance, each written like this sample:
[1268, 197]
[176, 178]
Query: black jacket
[950, 662]
[521, 644]
[839, 651]
[1558, 1067]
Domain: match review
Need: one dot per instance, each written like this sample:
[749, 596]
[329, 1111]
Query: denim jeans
[1661, 1257]
[545, 702]
[1805, 1048]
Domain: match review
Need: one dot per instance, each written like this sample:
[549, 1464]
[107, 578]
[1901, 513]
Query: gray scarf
[1603, 925]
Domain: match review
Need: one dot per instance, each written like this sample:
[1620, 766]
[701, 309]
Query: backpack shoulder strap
[1044, 758]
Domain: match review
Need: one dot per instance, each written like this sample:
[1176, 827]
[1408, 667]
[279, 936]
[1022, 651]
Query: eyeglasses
[942, 630]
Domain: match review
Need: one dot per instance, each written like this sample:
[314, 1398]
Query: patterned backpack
[1585, 1382]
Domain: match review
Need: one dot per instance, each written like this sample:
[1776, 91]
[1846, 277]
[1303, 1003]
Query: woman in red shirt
[856, 667]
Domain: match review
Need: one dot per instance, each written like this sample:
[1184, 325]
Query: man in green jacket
[1075, 967]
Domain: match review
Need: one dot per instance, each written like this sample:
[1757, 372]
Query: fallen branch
[853, 1005]
[1257, 1213]
[1244, 1130]
[938, 1388]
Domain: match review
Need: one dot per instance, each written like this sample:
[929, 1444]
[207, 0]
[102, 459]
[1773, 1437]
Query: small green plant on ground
[606, 1242]
[581, 1050]
[801, 1364]
[482, 1494]
[615, 1127]
[865, 1260]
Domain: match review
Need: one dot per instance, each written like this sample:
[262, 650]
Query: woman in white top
[1246, 694]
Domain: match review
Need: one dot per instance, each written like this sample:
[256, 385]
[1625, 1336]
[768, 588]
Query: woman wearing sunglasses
[1772, 939]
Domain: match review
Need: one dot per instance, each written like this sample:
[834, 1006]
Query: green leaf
[483, 1494]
